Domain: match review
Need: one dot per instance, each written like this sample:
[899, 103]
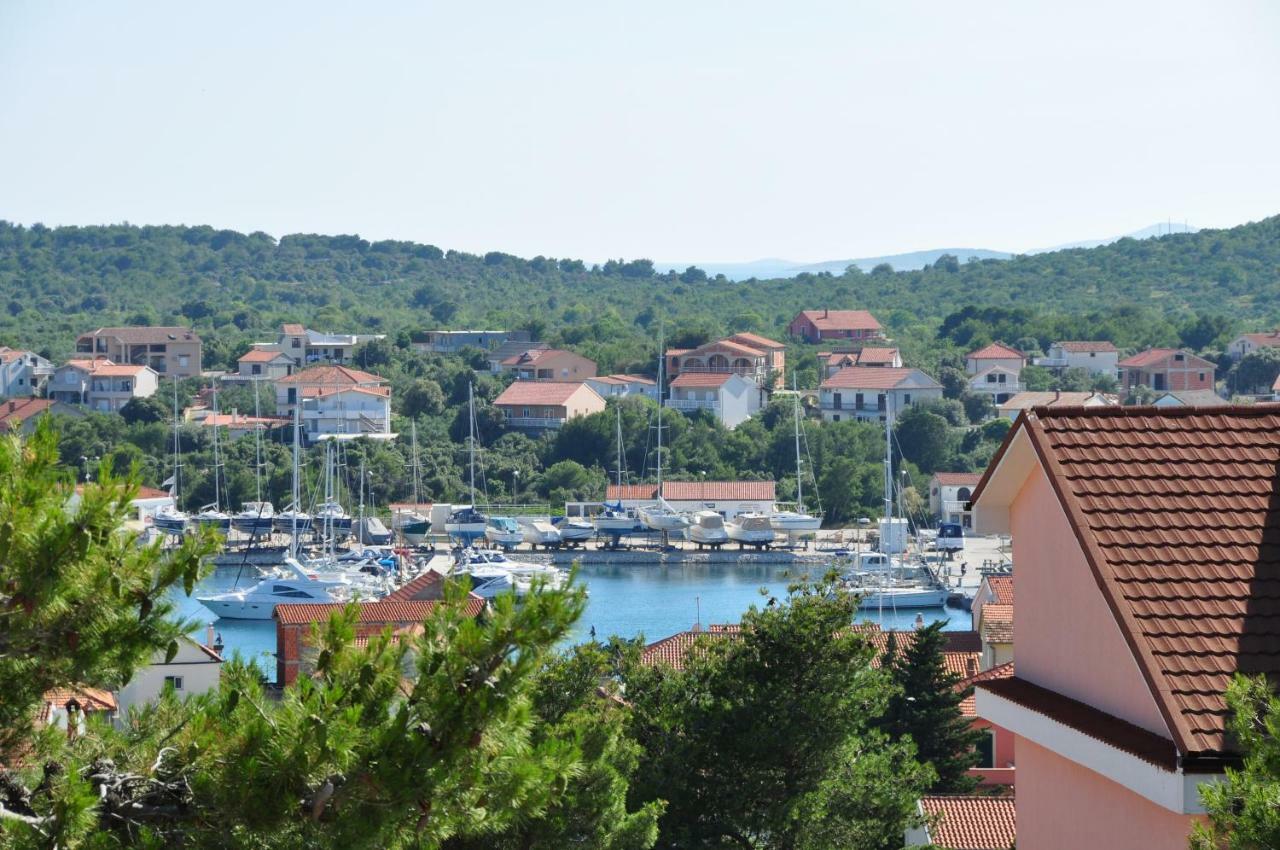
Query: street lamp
[515, 486]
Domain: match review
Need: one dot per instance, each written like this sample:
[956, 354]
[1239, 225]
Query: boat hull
[170, 526]
[903, 598]
[234, 609]
[708, 536]
[791, 523]
[415, 532]
[252, 524]
[505, 539]
[467, 532]
[284, 524]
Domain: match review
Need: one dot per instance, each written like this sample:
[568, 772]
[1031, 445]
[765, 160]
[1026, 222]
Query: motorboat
[370, 530]
[295, 587]
[900, 594]
[503, 531]
[868, 563]
[750, 529]
[210, 517]
[660, 516]
[708, 529]
[488, 582]
[170, 520]
[285, 520]
[466, 524]
[574, 530]
[540, 532]
[255, 518]
[615, 519]
[790, 522]
[332, 517]
[524, 573]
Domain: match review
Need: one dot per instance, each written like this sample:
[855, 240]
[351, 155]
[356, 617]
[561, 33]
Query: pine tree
[925, 706]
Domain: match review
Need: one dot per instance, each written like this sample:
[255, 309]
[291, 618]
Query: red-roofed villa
[546, 405]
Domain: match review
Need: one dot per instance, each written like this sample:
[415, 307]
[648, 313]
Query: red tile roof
[996, 351]
[874, 356]
[971, 823]
[624, 380]
[841, 320]
[325, 392]
[533, 355]
[428, 585]
[261, 355]
[756, 341]
[292, 329]
[225, 420]
[958, 479]
[1157, 356]
[1027, 399]
[968, 706]
[1271, 339]
[19, 410]
[697, 491]
[1081, 346]
[731, 345]
[961, 656]
[139, 335]
[89, 699]
[1002, 588]
[701, 379]
[1178, 514]
[338, 375]
[674, 651]
[997, 622]
[385, 611]
[880, 378]
[541, 392]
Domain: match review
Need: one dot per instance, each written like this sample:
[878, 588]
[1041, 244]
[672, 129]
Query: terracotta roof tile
[337, 375]
[873, 356]
[385, 611]
[756, 341]
[958, 479]
[1270, 339]
[697, 491]
[997, 623]
[701, 379]
[541, 392]
[880, 378]
[261, 355]
[674, 651]
[841, 320]
[1002, 587]
[1179, 513]
[996, 351]
[427, 586]
[971, 823]
[968, 706]
[1157, 356]
[1078, 346]
[18, 410]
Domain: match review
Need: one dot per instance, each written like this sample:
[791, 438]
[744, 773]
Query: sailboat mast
[293, 538]
[413, 431]
[177, 452]
[217, 460]
[471, 438]
[888, 460]
[799, 472]
[619, 410]
[257, 447]
[662, 362]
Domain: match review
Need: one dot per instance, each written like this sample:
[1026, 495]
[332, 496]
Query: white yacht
[297, 586]
[615, 519]
[539, 532]
[660, 516]
[285, 520]
[750, 529]
[503, 531]
[170, 520]
[256, 518]
[900, 595]
[574, 530]
[708, 529]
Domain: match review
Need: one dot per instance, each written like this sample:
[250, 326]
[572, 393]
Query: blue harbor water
[624, 599]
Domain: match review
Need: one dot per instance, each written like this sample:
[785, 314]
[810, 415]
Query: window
[986, 748]
[124, 386]
[174, 682]
[295, 343]
[293, 395]
[881, 402]
[1000, 377]
[257, 368]
[157, 347]
[836, 400]
[183, 360]
[857, 400]
[835, 418]
[906, 399]
[1201, 377]
[1178, 358]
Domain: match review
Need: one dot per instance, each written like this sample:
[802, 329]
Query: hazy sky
[684, 130]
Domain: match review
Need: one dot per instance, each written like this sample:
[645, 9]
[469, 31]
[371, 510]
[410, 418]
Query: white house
[263, 362]
[728, 395]
[22, 373]
[1248, 343]
[857, 392]
[196, 669]
[623, 386]
[308, 347]
[999, 382]
[995, 354]
[1097, 357]
[336, 400]
[949, 494]
[101, 384]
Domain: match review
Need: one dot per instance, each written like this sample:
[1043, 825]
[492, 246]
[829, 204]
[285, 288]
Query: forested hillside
[55, 283]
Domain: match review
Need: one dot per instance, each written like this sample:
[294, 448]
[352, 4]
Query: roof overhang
[1009, 469]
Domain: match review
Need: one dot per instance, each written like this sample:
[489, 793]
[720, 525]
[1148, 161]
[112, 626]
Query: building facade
[336, 401]
[23, 373]
[874, 394]
[195, 669]
[1097, 357]
[949, 494]
[546, 405]
[814, 326]
[729, 397]
[755, 358]
[549, 364]
[170, 351]
[101, 385]
[1162, 369]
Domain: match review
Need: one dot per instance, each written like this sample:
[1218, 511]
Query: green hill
[57, 282]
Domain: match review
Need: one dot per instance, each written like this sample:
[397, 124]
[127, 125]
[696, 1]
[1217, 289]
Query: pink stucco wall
[1003, 772]
[1063, 806]
[1067, 638]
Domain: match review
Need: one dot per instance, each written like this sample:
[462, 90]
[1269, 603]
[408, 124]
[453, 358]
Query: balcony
[533, 422]
[1051, 362]
[692, 404]
[997, 388]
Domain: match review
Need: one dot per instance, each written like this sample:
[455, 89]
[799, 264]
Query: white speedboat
[256, 518]
[899, 596]
[750, 529]
[503, 531]
[466, 525]
[790, 522]
[525, 573]
[660, 516]
[708, 529]
[488, 582]
[615, 519]
[284, 521]
[574, 530]
[331, 516]
[295, 587]
[210, 517]
[538, 532]
[170, 520]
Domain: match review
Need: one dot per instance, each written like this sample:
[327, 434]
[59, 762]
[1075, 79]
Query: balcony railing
[533, 422]
[1006, 387]
[692, 404]
[954, 506]
[756, 372]
[1051, 362]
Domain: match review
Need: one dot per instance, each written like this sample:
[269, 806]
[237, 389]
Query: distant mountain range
[774, 267]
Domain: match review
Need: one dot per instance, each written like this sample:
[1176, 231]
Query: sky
[686, 130]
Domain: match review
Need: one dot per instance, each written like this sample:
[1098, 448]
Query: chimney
[826, 312]
[1057, 394]
[13, 405]
[208, 634]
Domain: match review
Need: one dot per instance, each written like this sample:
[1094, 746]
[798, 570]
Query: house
[22, 373]
[1025, 400]
[195, 669]
[816, 325]
[238, 425]
[545, 405]
[403, 612]
[992, 617]
[69, 708]
[873, 394]
[452, 342]
[760, 360]
[100, 384]
[170, 351]
[728, 498]
[1246, 344]
[1097, 357]
[308, 347]
[1190, 398]
[997, 747]
[623, 386]
[336, 400]
[549, 364]
[965, 823]
[509, 349]
[263, 363]
[996, 370]
[1164, 369]
[834, 361]
[949, 494]
[1145, 544]
[24, 413]
[730, 397]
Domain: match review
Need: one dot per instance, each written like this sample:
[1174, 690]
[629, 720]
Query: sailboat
[466, 524]
[614, 519]
[212, 515]
[411, 524]
[256, 516]
[660, 516]
[331, 517]
[171, 519]
[293, 520]
[799, 519]
[893, 589]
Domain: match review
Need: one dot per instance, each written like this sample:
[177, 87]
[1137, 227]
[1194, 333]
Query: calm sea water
[624, 599]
